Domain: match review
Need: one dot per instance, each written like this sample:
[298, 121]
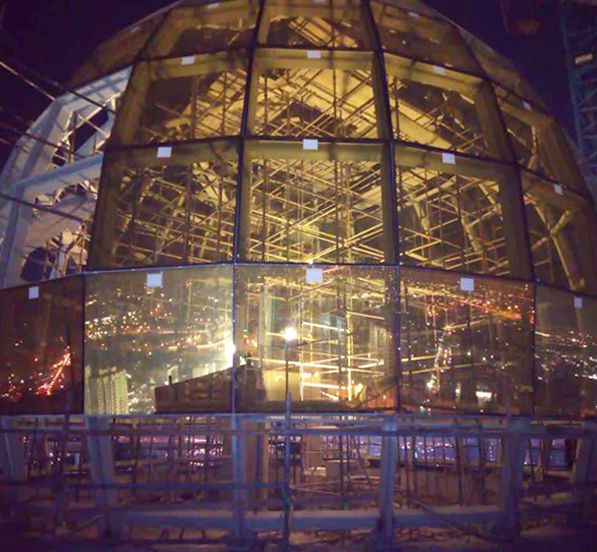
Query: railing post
[511, 478]
[584, 473]
[12, 460]
[101, 467]
[239, 480]
[384, 537]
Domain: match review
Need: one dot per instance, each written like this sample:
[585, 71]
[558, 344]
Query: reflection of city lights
[56, 373]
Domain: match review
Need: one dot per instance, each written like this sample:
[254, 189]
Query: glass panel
[163, 206]
[563, 234]
[158, 341]
[41, 348]
[117, 52]
[566, 354]
[451, 213]
[466, 343]
[327, 24]
[326, 334]
[501, 70]
[49, 240]
[195, 29]
[330, 94]
[416, 36]
[539, 142]
[183, 99]
[322, 206]
[442, 108]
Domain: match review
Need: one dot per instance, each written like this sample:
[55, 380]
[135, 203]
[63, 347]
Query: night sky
[55, 36]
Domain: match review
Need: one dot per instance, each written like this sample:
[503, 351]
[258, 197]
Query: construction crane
[579, 29]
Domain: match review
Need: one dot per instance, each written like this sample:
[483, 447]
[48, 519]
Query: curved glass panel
[566, 353]
[183, 99]
[442, 108]
[41, 348]
[166, 205]
[466, 342]
[416, 36]
[323, 334]
[198, 28]
[314, 93]
[322, 206]
[563, 234]
[324, 24]
[457, 213]
[158, 341]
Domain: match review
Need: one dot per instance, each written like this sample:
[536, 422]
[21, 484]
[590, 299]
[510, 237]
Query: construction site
[298, 274]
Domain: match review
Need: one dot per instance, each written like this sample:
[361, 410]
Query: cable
[26, 80]
[48, 80]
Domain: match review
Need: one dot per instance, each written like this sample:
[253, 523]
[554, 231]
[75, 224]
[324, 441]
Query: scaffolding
[246, 481]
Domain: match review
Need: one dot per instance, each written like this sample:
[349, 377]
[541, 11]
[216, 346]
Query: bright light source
[229, 351]
[290, 334]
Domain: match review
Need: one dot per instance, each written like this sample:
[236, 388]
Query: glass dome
[354, 204]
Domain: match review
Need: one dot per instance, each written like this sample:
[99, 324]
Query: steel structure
[393, 193]
[579, 27]
[296, 207]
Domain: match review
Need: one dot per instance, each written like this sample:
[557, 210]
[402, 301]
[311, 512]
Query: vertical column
[389, 458]
[101, 467]
[12, 459]
[511, 478]
[584, 474]
[239, 478]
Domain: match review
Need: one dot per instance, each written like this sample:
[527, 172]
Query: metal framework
[248, 481]
[276, 209]
[363, 175]
[579, 27]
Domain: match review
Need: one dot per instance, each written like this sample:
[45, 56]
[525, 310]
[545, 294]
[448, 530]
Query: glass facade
[147, 331]
[354, 203]
[41, 348]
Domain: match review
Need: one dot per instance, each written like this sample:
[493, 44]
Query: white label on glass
[187, 60]
[155, 279]
[164, 152]
[578, 302]
[467, 284]
[34, 292]
[314, 275]
[448, 158]
[314, 54]
[414, 14]
[212, 6]
[558, 189]
[135, 29]
[439, 70]
[527, 106]
[311, 144]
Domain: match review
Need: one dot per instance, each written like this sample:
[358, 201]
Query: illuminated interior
[349, 205]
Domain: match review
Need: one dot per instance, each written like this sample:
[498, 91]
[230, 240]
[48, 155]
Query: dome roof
[364, 173]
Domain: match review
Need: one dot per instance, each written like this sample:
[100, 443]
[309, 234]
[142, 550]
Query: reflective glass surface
[566, 353]
[168, 205]
[323, 207]
[158, 341]
[41, 348]
[322, 334]
[466, 343]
